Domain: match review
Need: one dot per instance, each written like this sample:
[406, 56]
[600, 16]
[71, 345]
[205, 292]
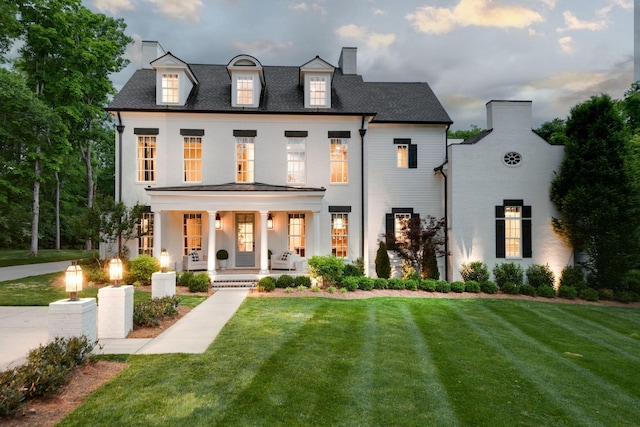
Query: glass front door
[245, 240]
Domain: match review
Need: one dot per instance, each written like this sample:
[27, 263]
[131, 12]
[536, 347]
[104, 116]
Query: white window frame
[245, 159]
[513, 232]
[402, 156]
[339, 161]
[145, 231]
[170, 88]
[297, 233]
[318, 88]
[192, 156]
[245, 90]
[191, 232]
[296, 160]
[340, 235]
[147, 149]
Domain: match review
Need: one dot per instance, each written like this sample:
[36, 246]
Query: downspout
[440, 169]
[120, 129]
[363, 132]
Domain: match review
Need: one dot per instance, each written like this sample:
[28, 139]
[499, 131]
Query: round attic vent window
[512, 158]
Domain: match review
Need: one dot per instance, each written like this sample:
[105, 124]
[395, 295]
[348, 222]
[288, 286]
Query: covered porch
[248, 221]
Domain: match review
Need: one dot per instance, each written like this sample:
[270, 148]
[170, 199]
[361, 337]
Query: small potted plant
[222, 256]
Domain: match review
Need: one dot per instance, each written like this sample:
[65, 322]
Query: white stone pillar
[73, 319]
[115, 312]
[211, 245]
[316, 234]
[163, 284]
[264, 244]
[157, 234]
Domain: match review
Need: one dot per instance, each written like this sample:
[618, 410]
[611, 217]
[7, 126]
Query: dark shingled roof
[474, 139]
[234, 186]
[389, 102]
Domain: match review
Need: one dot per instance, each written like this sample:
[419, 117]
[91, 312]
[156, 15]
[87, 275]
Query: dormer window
[315, 77]
[247, 81]
[318, 91]
[169, 88]
[244, 90]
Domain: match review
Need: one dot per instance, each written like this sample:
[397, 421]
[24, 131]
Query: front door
[245, 240]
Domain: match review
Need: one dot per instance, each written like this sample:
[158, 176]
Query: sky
[556, 53]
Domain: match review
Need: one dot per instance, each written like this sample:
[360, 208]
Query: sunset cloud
[365, 36]
[185, 10]
[113, 6]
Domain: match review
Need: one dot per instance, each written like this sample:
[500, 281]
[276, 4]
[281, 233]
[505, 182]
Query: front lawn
[390, 361]
[9, 257]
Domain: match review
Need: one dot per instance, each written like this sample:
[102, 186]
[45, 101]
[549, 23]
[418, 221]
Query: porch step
[234, 283]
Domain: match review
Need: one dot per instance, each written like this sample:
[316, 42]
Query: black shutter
[526, 239]
[500, 248]
[390, 229]
[499, 211]
[413, 156]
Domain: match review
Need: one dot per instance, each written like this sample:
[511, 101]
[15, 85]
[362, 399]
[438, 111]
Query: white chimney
[503, 115]
[348, 60]
[151, 50]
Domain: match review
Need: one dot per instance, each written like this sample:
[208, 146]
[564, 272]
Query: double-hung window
[192, 232]
[145, 231]
[340, 234]
[339, 160]
[245, 89]
[396, 224]
[244, 159]
[406, 153]
[296, 160]
[146, 158]
[192, 147]
[513, 230]
[402, 155]
[297, 233]
[318, 91]
[170, 88]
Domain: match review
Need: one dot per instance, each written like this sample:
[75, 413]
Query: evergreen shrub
[266, 284]
[396, 283]
[508, 272]
[475, 270]
[489, 287]
[443, 286]
[540, 275]
[546, 291]
[567, 292]
[428, 285]
[141, 268]
[472, 286]
[199, 283]
[380, 283]
[285, 281]
[383, 263]
[457, 287]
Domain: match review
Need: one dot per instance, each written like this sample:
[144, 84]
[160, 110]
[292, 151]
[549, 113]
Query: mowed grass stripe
[624, 321]
[481, 382]
[559, 376]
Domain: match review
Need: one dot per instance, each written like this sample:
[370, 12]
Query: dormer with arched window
[247, 81]
[316, 77]
[174, 80]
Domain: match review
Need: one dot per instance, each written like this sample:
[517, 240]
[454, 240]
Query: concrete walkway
[20, 271]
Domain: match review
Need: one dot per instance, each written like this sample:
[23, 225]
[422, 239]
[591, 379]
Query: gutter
[120, 129]
[363, 132]
[440, 169]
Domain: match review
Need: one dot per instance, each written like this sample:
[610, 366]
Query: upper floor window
[402, 155]
[192, 158]
[245, 90]
[296, 160]
[146, 158]
[244, 159]
[340, 234]
[318, 91]
[339, 160]
[406, 153]
[170, 88]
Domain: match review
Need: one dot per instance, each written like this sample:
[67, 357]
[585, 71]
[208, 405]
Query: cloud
[315, 8]
[113, 6]
[549, 3]
[262, 46]
[482, 13]
[573, 23]
[566, 44]
[186, 10]
[378, 12]
[365, 36]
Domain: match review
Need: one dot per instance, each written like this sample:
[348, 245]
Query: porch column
[211, 245]
[157, 234]
[316, 234]
[264, 244]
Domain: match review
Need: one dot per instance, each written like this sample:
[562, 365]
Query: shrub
[489, 287]
[623, 296]
[351, 270]
[302, 288]
[350, 283]
[631, 281]
[329, 268]
[567, 292]
[528, 290]
[266, 284]
[359, 264]
[573, 276]
[302, 281]
[428, 285]
[443, 286]
[285, 281]
[510, 288]
[546, 291]
[540, 275]
[141, 268]
[508, 272]
[606, 294]
[475, 270]
[184, 278]
[222, 254]
[288, 290]
[589, 294]
[411, 284]
[383, 263]
[365, 283]
[331, 289]
[472, 286]
[315, 288]
[149, 313]
[411, 274]
[199, 283]
[380, 283]
[396, 283]
[95, 274]
[457, 287]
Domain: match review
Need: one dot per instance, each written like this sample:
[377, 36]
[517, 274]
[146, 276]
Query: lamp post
[164, 261]
[73, 280]
[115, 271]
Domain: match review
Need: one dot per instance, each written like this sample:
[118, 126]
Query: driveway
[21, 329]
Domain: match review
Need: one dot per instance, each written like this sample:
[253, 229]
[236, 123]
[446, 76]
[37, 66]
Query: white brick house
[309, 159]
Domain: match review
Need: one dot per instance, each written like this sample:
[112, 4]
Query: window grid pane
[170, 88]
[403, 156]
[297, 233]
[512, 231]
[145, 230]
[245, 90]
[401, 221]
[340, 234]
[146, 158]
[296, 160]
[192, 159]
[339, 160]
[317, 91]
[192, 232]
[244, 160]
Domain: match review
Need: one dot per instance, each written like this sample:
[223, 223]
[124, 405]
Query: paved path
[20, 271]
[21, 329]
